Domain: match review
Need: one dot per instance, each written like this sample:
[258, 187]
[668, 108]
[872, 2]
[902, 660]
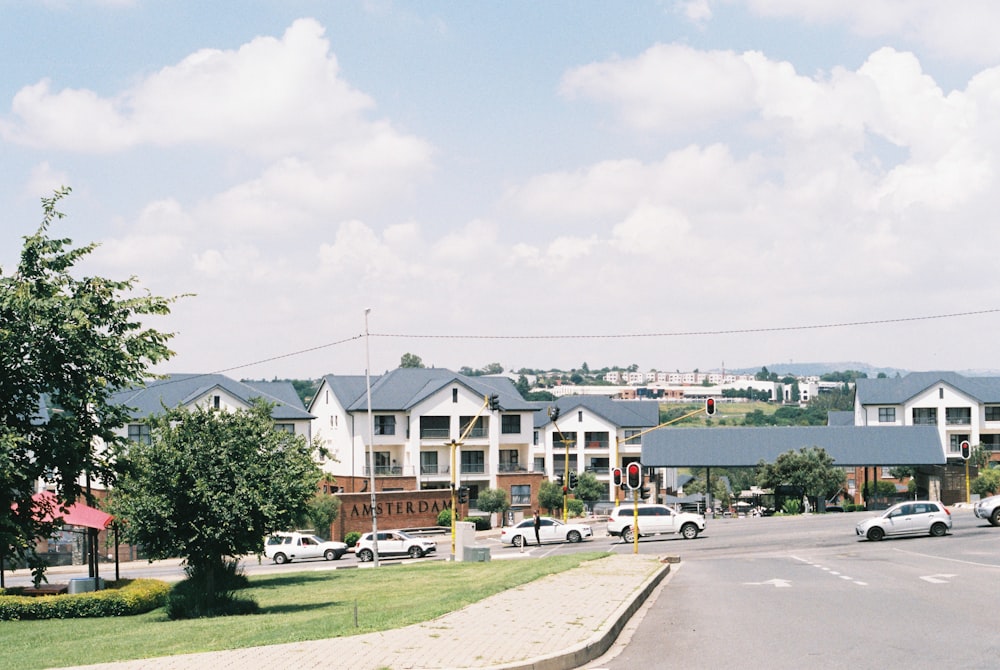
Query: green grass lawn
[294, 607]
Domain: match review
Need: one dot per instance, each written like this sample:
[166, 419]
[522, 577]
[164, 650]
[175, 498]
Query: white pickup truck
[989, 509]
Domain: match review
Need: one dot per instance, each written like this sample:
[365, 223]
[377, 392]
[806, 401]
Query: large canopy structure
[743, 447]
[76, 514]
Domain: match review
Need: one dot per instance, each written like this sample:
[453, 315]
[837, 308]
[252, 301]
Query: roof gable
[892, 391]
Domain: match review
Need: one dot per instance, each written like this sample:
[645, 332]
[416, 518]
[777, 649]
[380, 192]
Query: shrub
[574, 507]
[444, 518]
[791, 506]
[352, 538]
[209, 592]
[482, 523]
[122, 598]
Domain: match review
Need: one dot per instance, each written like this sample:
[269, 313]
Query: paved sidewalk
[555, 623]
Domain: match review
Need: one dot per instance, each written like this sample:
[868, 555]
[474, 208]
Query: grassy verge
[295, 606]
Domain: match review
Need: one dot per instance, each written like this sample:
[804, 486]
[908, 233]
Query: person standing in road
[538, 527]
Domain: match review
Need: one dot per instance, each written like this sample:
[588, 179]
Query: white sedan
[550, 530]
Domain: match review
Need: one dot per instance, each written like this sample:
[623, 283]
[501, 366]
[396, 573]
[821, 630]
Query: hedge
[124, 598]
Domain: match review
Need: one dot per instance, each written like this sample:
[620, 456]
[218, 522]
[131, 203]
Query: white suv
[654, 520]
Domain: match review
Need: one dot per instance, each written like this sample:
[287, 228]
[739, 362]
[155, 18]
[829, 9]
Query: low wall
[393, 509]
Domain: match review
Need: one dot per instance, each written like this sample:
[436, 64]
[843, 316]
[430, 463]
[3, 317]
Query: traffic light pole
[488, 401]
[640, 434]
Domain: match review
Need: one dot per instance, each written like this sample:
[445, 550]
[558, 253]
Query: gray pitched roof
[622, 413]
[840, 418]
[400, 389]
[888, 391]
[181, 389]
[739, 447]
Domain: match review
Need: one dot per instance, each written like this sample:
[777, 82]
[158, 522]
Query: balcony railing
[511, 467]
[434, 433]
[925, 421]
[390, 471]
[435, 469]
[473, 468]
[597, 444]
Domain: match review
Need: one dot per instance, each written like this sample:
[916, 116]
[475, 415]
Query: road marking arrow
[938, 579]
[777, 583]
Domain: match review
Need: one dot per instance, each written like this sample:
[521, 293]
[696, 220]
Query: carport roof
[741, 447]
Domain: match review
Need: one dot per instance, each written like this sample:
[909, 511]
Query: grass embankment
[295, 607]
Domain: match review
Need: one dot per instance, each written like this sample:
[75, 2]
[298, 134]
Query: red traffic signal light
[710, 406]
[966, 451]
[616, 478]
[633, 475]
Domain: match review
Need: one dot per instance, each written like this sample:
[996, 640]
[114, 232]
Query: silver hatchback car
[914, 517]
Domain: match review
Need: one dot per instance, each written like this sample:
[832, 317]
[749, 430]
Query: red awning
[76, 514]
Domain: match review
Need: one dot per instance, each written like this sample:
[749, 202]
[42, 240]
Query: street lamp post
[371, 445]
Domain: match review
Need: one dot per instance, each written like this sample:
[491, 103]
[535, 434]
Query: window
[993, 412]
[139, 432]
[454, 395]
[925, 416]
[429, 463]
[990, 442]
[885, 474]
[434, 427]
[958, 416]
[632, 436]
[887, 415]
[534, 438]
[382, 466]
[510, 424]
[479, 429]
[473, 462]
[385, 425]
[216, 401]
[508, 461]
[539, 464]
[955, 443]
[520, 494]
[285, 428]
[579, 416]
[596, 440]
[941, 393]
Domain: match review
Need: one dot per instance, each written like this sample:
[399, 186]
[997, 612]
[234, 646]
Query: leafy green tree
[410, 361]
[320, 513]
[66, 344]
[987, 483]
[589, 489]
[493, 501]
[550, 496]
[211, 485]
[810, 467]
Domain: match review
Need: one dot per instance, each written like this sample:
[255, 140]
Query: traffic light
[494, 402]
[553, 413]
[643, 492]
[633, 476]
[966, 451]
[573, 480]
[559, 480]
[617, 478]
[463, 495]
[710, 406]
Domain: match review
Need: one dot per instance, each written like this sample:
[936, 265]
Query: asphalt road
[805, 592]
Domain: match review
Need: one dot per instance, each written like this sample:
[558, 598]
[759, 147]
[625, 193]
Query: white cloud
[962, 30]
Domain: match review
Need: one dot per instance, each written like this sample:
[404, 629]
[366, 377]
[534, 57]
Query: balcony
[434, 469]
[390, 471]
[511, 467]
[597, 444]
[434, 433]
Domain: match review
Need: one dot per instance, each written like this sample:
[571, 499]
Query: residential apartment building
[961, 408]
[430, 428]
[591, 434]
[212, 391]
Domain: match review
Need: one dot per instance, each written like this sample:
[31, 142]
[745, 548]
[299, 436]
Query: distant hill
[819, 369]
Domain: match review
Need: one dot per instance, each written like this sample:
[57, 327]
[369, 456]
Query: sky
[672, 184]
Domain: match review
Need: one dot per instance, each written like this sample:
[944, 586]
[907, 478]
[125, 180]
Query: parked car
[654, 520]
[914, 517]
[393, 543]
[285, 547]
[989, 509]
[550, 530]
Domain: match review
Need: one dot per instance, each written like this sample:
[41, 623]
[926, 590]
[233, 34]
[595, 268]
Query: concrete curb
[596, 646]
